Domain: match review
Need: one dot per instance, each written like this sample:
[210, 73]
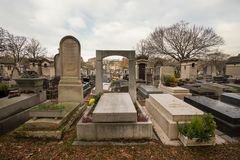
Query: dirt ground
[20, 148]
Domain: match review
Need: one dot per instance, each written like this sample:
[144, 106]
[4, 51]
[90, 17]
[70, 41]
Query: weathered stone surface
[57, 65]
[109, 131]
[115, 107]
[70, 87]
[15, 111]
[167, 110]
[226, 116]
[145, 90]
[178, 92]
[231, 98]
[217, 88]
[15, 105]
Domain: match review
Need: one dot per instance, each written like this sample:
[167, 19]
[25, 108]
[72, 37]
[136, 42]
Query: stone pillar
[132, 79]
[99, 76]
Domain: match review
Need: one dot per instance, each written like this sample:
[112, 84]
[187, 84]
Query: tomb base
[178, 92]
[70, 91]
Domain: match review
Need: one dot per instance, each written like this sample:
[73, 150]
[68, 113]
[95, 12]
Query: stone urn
[30, 84]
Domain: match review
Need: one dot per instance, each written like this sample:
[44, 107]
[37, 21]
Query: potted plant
[170, 81]
[30, 82]
[199, 132]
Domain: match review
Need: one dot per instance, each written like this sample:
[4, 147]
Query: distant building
[6, 67]
[43, 66]
[189, 69]
[233, 67]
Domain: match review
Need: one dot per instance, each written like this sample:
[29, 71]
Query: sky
[116, 24]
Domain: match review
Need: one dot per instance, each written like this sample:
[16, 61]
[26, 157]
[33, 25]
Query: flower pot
[195, 141]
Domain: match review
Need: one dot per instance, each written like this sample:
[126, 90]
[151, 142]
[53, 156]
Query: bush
[169, 81]
[202, 128]
[3, 90]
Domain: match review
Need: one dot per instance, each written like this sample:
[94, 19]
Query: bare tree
[35, 50]
[182, 41]
[16, 47]
[141, 48]
[217, 59]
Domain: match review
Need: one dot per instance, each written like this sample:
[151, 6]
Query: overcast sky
[116, 24]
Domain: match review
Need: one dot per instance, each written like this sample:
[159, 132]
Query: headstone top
[70, 56]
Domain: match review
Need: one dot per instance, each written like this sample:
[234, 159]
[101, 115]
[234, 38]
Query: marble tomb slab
[115, 107]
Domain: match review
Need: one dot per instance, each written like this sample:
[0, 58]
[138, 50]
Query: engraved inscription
[70, 58]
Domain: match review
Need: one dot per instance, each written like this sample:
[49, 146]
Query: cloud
[112, 24]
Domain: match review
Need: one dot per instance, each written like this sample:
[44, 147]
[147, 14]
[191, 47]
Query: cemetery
[174, 113]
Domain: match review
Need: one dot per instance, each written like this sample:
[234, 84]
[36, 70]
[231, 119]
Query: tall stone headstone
[70, 87]
[57, 65]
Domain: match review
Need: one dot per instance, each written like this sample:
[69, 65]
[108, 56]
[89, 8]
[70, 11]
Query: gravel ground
[20, 148]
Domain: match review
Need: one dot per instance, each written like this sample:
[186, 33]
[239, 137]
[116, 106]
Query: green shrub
[201, 127]
[3, 90]
[169, 80]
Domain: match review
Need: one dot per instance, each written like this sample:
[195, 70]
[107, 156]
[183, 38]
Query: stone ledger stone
[167, 110]
[115, 107]
[145, 90]
[178, 92]
[231, 98]
[227, 116]
[70, 86]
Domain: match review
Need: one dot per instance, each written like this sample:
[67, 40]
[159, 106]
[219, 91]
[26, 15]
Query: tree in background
[182, 41]
[35, 50]
[19, 48]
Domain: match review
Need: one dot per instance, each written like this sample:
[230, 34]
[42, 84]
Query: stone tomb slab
[145, 90]
[178, 92]
[174, 108]
[231, 98]
[219, 109]
[115, 107]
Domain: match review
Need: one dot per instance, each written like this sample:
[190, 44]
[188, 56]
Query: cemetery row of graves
[197, 113]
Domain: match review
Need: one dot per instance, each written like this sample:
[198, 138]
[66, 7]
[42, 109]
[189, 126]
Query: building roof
[234, 60]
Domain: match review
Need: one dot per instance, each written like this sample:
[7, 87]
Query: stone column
[99, 74]
[132, 80]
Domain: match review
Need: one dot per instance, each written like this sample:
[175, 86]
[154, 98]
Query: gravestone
[70, 86]
[226, 116]
[57, 65]
[145, 90]
[168, 110]
[231, 98]
[115, 107]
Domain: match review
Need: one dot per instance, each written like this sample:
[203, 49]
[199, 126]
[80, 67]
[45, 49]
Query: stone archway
[130, 54]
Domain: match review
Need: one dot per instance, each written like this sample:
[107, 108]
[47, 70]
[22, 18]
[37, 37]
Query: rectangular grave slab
[115, 107]
[15, 105]
[145, 90]
[231, 98]
[174, 108]
[178, 92]
[167, 111]
[219, 109]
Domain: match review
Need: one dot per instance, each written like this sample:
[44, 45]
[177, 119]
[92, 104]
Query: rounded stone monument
[70, 86]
